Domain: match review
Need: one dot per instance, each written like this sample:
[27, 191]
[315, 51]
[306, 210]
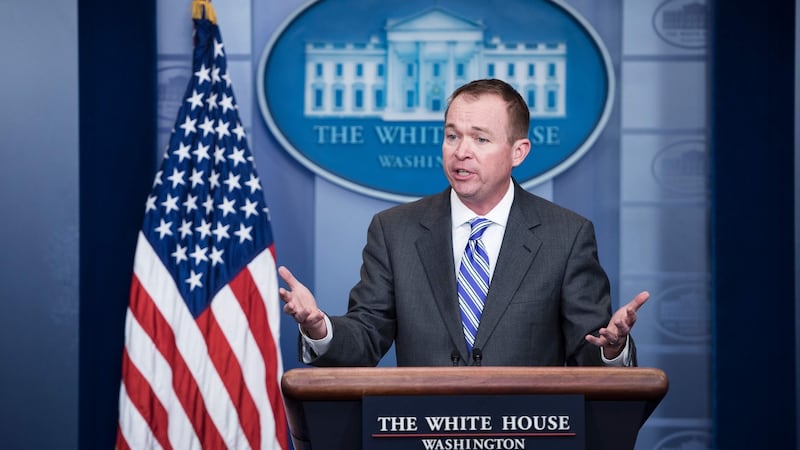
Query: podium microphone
[455, 358]
[476, 356]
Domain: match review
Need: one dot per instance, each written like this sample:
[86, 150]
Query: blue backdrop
[691, 187]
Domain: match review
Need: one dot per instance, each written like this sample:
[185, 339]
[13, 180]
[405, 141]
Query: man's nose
[462, 149]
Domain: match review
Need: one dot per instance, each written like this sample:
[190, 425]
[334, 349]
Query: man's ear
[520, 151]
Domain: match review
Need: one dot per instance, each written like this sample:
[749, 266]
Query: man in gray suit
[547, 303]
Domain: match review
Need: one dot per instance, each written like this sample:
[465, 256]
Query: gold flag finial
[203, 9]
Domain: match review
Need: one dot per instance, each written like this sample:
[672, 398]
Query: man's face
[476, 151]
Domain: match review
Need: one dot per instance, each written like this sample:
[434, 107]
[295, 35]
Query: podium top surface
[595, 383]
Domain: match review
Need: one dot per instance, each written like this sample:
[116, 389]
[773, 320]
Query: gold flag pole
[203, 8]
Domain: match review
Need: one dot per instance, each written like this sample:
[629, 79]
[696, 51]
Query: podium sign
[554, 422]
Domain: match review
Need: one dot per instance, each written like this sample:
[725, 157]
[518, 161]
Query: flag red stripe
[245, 291]
[145, 401]
[184, 384]
[121, 443]
[230, 372]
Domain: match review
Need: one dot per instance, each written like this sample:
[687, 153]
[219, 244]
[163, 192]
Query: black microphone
[476, 356]
[455, 357]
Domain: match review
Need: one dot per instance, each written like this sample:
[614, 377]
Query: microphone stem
[477, 356]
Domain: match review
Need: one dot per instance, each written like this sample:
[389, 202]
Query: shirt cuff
[312, 348]
[622, 360]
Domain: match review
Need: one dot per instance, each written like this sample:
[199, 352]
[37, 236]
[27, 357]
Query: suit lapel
[435, 248]
[517, 252]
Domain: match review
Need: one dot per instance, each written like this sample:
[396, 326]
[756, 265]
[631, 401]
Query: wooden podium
[324, 404]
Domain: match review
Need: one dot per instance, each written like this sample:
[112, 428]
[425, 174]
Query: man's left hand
[613, 337]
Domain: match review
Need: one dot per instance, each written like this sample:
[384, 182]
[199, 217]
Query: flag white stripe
[190, 342]
[133, 426]
[265, 276]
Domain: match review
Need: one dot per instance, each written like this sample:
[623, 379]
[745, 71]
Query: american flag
[201, 364]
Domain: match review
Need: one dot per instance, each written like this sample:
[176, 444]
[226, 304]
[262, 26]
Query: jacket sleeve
[365, 333]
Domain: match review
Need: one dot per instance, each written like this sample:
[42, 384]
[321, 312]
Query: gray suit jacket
[547, 292]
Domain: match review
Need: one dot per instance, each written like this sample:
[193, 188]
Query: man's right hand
[301, 305]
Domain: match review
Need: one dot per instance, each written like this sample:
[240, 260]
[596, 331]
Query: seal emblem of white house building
[356, 90]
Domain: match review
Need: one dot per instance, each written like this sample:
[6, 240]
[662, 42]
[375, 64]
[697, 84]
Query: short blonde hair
[519, 116]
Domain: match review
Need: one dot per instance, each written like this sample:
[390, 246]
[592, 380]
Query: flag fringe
[202, 9]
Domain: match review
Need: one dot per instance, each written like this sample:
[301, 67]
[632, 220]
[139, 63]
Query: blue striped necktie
[473, 280]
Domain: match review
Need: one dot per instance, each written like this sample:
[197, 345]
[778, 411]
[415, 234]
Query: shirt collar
[461, 214]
